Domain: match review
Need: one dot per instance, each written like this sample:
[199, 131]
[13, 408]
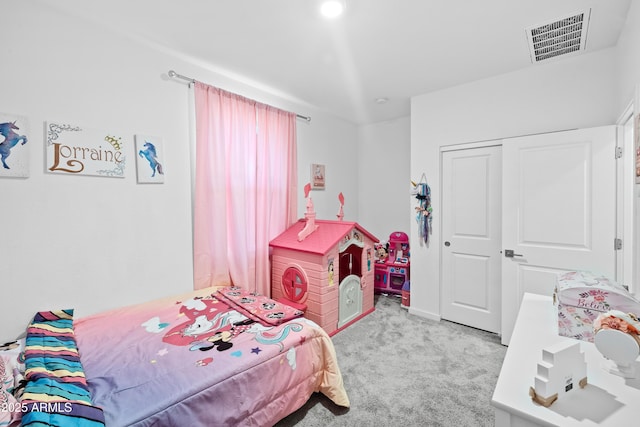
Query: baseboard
[371, 310]
[425, 314]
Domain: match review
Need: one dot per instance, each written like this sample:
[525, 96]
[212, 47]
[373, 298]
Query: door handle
[508, 253]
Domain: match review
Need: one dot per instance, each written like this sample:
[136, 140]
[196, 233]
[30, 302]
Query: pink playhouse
[326, 268]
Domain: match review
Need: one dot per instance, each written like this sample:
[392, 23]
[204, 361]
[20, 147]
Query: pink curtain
[245, 187]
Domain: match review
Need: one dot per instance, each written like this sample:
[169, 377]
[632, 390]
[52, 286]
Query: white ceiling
[379, 48]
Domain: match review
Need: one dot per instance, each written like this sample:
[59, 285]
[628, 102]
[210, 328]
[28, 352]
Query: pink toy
[393, 264]
[329, 272]
[340, 214]
[310, 215]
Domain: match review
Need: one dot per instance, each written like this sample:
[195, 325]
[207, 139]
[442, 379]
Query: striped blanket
[56, 393]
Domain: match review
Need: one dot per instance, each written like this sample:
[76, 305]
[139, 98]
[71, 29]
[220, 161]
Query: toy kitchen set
[392, 264]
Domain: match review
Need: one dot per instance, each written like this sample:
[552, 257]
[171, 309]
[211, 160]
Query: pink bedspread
[194, 360]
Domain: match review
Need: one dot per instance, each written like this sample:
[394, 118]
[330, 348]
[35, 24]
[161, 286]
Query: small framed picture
[14, 155]
[149, 159]
[317, 176]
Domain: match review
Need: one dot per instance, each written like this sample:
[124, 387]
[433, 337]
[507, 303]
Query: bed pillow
[8, 373]
[56, 393]
[258, 307]
[9, 380]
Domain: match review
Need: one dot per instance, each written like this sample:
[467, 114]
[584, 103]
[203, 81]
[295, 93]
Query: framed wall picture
[317, 176]
[14, 154]
[149, 159]
[73, 150]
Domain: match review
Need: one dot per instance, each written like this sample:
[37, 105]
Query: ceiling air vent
[559, 37]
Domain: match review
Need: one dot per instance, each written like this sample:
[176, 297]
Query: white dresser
[607, 400]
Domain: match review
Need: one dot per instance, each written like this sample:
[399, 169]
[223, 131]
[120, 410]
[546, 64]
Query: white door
[558, 211]
[350, 293]
[471, 228]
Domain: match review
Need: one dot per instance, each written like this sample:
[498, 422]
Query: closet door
[558, 212]
[471, 228]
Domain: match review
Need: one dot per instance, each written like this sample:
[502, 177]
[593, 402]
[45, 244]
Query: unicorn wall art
[11, 143]
[149, 159]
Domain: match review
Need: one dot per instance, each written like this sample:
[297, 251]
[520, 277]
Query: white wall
[628, 59]
[383, 156]
[628, 88]
[575, 92]
[94, 243]
[334, 143]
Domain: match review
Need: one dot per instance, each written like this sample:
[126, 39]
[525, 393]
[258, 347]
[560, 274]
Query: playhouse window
[294, 284]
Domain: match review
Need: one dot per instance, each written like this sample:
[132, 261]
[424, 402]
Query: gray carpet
[403, 370]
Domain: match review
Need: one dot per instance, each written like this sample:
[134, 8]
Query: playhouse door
[350, 300]
[558, 212]
[471, 262]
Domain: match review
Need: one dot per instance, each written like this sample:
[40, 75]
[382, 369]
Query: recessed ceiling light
[332, 8]
[381, 100]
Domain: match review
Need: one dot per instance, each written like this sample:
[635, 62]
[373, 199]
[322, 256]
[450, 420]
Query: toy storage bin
[581, 296]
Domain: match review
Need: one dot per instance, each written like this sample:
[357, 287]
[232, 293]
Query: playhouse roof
[321, 241]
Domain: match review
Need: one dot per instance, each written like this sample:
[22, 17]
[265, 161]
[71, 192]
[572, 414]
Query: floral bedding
[11, 376]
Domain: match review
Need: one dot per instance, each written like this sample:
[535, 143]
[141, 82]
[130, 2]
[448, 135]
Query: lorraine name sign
[77, 151]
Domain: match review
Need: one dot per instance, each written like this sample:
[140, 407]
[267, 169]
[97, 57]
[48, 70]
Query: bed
[213, 357]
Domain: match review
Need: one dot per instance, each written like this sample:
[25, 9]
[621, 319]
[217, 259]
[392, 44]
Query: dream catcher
[424, 211]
